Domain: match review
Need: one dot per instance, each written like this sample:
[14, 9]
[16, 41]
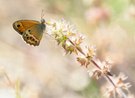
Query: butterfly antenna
[42, 14]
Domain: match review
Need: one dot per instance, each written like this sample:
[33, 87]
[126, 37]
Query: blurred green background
[44, 71]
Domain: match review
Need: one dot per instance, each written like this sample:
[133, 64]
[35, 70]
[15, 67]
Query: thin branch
[94, 62]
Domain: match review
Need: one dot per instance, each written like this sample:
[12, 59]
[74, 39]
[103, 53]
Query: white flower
[118, 90]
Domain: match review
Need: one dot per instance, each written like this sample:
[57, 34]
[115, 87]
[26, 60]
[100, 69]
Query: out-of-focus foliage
[43, 72]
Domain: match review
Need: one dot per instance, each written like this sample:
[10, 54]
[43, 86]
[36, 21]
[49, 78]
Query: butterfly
[31, 30]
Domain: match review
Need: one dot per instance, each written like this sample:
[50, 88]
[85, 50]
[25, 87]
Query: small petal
[83, 61]
[91, 52]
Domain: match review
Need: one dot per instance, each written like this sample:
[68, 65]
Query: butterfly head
[42, 21]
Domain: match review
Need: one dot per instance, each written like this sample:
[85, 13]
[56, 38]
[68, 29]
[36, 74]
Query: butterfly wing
[22, 25]
[34, 34]
[30, 30]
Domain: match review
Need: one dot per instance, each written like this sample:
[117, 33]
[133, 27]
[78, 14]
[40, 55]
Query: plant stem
[93, 61]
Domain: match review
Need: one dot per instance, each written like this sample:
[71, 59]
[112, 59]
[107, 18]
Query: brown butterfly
[31, 30]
